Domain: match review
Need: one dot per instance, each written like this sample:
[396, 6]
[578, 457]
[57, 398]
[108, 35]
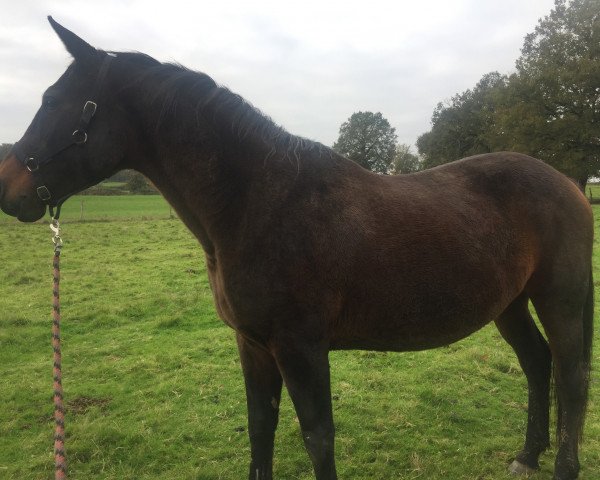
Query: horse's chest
[241, 298]
[222, 296]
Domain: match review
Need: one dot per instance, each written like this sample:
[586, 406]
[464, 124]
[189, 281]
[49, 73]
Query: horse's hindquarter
[444, 252]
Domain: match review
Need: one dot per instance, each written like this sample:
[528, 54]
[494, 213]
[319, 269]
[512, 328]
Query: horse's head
[76, 139]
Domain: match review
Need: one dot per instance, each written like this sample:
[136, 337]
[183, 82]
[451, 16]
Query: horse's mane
[228, 112]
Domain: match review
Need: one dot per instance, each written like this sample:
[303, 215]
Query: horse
[307, 252]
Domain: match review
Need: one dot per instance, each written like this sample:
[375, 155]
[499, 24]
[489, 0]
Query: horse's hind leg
[567, 320]
[519, 330]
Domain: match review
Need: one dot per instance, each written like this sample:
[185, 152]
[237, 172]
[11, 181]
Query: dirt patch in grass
[81, 405]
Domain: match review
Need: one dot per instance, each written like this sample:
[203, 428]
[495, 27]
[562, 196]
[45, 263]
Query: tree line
[548, 108]
[4, 149]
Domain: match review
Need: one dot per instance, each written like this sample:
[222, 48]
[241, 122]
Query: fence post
[81, 212]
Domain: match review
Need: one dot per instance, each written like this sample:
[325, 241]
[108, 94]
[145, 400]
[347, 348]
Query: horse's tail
[588, 337]
[588, 328]
[588, 322]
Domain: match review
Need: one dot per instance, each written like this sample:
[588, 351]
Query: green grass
[153, 381]
[592, 191]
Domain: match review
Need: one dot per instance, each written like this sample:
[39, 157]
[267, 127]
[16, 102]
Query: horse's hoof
[518, 468]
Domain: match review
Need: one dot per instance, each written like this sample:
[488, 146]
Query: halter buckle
[89, 109]
[32, 164]
[79, 137]
[43, 193]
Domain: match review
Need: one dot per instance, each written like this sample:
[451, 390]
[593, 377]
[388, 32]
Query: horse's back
[519, 191]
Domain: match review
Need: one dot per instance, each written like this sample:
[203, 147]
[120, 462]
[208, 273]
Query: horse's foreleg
[305, 370]
[518, 328]
[263, 393]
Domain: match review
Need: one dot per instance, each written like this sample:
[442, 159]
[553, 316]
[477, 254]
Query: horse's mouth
[17, 197]
[24, 211]
[30, 215]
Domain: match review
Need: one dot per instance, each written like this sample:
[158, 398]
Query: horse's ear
[78, 48]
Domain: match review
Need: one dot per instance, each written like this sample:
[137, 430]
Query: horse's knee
[319, 444]
[319, 440]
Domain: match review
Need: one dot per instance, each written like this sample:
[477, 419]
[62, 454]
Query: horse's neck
[212, 173]
[204, 180]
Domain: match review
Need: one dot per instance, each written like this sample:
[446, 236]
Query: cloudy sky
[308, 64]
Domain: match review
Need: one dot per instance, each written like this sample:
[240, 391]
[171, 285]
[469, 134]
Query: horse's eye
[49, 103]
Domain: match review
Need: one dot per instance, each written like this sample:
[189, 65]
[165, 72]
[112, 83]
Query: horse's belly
[418, 326]
[404, 340]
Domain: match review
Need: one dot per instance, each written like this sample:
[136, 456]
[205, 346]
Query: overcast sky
[307, 64]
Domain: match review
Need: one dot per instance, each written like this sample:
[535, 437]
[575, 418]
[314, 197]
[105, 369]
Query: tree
[554, 109]
[462, 126]
[123, 176]
[4, 149]
[549, 108]
[369, 140]
[137, 183]
[404, 160]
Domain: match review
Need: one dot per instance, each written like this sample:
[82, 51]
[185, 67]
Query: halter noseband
[33, 163]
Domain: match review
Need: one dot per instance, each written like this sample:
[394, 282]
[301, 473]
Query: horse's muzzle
[18, 197]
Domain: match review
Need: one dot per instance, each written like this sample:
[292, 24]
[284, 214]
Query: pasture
[153, 382]
[592, 191]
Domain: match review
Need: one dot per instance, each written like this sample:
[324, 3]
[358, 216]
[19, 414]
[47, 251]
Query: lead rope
[60, 461]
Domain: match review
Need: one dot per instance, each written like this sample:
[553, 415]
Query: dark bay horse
[307, 252]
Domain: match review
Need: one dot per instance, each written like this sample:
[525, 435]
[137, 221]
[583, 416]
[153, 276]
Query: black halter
[36, 163]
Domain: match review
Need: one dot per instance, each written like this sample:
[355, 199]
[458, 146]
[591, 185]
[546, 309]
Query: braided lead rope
[60, 461]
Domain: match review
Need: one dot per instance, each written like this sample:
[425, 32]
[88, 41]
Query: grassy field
[153, 382]
[592, 191]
